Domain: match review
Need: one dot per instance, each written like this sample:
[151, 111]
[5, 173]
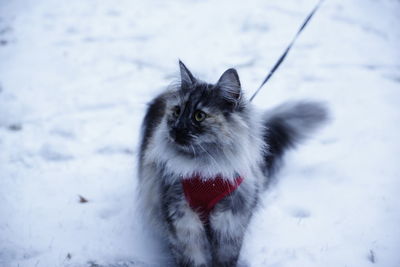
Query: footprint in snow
[300, 213]
[51, 154]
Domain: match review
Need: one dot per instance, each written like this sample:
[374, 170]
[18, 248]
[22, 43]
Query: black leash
[283, 56]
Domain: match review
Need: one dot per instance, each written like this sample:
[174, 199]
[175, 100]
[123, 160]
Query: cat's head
[203, 118]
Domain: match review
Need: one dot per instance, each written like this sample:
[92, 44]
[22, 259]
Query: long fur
[288, 125]
[234, 140]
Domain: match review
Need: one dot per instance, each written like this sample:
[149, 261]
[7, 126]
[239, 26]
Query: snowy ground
[74, 80]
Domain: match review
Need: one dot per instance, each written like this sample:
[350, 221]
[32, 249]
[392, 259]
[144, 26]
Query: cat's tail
[286, 126]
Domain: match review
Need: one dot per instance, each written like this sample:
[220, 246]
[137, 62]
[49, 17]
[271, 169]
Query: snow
[75, 77]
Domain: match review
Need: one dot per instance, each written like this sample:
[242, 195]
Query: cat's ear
[229, 86]
[187, 77]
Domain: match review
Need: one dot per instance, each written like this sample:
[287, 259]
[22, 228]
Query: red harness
[203, 195]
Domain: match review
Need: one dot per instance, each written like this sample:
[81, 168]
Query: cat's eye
[176, 111]
[199, 115]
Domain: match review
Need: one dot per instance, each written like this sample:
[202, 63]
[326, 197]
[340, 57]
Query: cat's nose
[180, 136]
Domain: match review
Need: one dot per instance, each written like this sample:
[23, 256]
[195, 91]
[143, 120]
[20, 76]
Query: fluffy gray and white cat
[196, 135]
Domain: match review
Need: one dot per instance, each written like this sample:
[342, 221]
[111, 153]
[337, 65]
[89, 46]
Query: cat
[205, 157]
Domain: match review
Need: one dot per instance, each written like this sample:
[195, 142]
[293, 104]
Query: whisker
[210, 155]
[194, 152]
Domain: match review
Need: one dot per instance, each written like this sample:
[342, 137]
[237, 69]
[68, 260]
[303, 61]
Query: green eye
[199, 115]
[176, 111]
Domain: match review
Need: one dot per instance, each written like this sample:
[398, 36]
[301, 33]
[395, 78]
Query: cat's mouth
[183, 145]
[181, 138]
[187, 149]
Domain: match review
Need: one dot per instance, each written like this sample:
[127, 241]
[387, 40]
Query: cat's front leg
[186, 233]
[228, 223]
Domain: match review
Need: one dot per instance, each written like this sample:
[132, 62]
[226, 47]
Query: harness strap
[202, 195]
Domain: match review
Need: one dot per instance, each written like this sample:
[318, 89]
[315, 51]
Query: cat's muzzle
[181, 136]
